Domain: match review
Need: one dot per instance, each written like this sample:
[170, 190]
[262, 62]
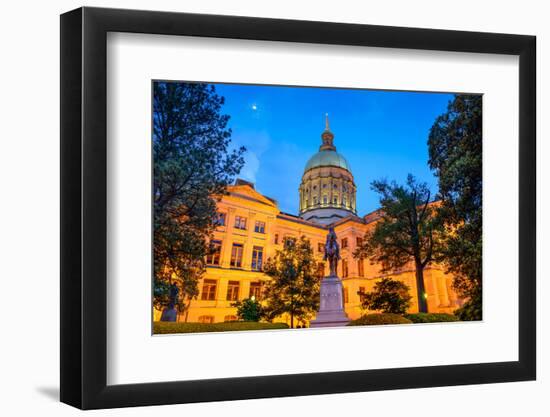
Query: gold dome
[327, 190]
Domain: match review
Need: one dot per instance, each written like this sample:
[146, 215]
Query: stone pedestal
[331, 311]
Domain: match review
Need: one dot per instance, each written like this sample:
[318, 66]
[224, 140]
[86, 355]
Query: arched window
[335, 200]
[325, 199]
[314, 201]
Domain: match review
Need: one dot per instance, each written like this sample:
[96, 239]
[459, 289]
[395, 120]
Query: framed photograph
[255, 208]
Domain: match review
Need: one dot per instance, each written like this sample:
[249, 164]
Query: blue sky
[382, 134]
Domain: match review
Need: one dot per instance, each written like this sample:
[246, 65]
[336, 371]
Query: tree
[249, 309]
[389, 296]
[294, 286]
[406, 231]
[455, 151]
[192, 164]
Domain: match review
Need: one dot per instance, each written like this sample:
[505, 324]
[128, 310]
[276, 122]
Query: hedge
[381, 318]
[167, 327]
[430, 317]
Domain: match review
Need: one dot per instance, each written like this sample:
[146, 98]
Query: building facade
[251, 228]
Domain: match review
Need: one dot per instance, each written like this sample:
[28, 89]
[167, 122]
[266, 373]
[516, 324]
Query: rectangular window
[325, 200]
[206, 319]
[320, 247]
[320, 270]
[257, 258]
[233, 291]
[344, 268]
[256, 290]
[209, 289]
[344, 243]
[359, 242]
[237, 255]
[361, 293]
[213, 258]
[276, 239]
[240, 222]
[361, 267]
[346, 295]
[220, 219]
[259, 227]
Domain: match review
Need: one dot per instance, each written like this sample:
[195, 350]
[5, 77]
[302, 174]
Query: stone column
[221, 291]
[442, 289]
[244, 289]
[247, 250]
[225, 260]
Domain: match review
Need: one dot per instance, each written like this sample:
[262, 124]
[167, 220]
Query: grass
[164, 327]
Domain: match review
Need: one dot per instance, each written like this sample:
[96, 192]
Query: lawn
[164, 327]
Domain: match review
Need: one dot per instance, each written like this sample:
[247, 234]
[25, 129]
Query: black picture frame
[84, 207]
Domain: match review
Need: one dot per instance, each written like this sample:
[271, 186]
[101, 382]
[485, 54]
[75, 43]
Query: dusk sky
[382, 134]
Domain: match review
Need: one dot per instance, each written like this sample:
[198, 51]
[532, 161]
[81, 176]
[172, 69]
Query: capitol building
[251, 229]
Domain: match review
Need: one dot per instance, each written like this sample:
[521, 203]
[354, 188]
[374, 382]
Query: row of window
[361, 293]
[343, 244]
[213, 258]
[334, 186]
[259, 227]
[210, 287]
[240, 223]
[325, 201]
[360, 268]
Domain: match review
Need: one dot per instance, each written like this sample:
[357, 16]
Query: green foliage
[389, 296]
[471, 309]
[430, 317]
[407, 231]
[455, 150]
[249, 310]
[192, 163]
[164, 327]
[294, 286]
[161, 294]
[380, 318]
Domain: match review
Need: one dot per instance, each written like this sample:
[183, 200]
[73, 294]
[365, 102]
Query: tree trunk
[421, 290]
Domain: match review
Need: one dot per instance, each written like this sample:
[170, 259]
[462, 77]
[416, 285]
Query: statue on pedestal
[332, 252]
[331, 306]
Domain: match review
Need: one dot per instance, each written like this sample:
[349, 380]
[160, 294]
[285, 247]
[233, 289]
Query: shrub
[379, 318]
[249, 309]
[389, 296]
[164, 327]
[430, 317]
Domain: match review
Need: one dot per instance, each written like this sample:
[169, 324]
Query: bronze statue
[332, 252]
